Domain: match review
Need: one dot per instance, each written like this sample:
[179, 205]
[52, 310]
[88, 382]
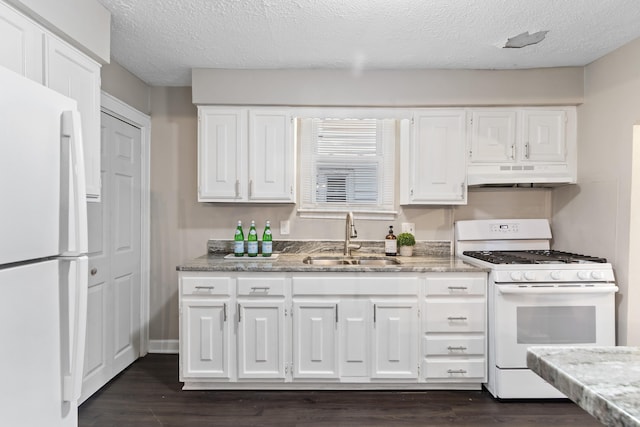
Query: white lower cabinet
[261, 351]
[261, 328]
[395, 347]
[354, 320]
[205, 327]
[454, 326]
[330, 330]
[315, 339]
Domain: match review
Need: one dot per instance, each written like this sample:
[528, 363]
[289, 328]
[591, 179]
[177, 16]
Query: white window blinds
[347, 164]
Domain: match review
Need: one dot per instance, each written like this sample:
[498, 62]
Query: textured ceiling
[160, 41]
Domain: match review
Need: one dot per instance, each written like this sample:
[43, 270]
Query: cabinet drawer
[452, 369]
[206, 286]
[248, 286]
[445, 316]
[456, 285]
[452, 345]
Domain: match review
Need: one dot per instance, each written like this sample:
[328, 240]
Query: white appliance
[537, 297]
[43, 266]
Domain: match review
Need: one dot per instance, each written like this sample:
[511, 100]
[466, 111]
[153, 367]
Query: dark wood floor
[148, 394]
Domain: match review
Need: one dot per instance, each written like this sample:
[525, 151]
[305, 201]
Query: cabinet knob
[94, 271]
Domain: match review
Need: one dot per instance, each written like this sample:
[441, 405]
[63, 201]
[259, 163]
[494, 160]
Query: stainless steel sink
[346, 260]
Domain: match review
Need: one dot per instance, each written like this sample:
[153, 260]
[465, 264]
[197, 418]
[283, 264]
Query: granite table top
[604, 381]
[294, 262]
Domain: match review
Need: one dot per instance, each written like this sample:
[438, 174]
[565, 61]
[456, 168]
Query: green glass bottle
[252, 240]
[238, 243]
[267, 240]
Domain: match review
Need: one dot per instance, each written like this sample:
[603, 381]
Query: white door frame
[114, 107]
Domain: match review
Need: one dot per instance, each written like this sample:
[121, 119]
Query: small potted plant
[406, 241]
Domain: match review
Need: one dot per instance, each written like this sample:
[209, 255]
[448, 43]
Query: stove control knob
[530, 275]
[584, 275]
[556, 275]
[516, 276]
[597, 275]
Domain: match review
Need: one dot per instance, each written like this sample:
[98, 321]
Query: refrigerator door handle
[72, 380]
[71, 130]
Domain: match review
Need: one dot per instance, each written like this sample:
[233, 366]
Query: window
[347, 164]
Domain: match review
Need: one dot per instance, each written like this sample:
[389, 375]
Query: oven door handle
[556, 290]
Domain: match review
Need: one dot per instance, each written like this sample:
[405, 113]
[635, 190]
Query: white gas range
[537, 296]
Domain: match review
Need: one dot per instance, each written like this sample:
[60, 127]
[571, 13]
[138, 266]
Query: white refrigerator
[43, 262]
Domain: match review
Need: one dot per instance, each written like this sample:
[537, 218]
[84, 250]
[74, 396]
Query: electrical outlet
[284, 227]
[409, 227]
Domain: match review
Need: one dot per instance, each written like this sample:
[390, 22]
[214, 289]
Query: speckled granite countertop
[604, 381]
[293, 262]
[429, 256]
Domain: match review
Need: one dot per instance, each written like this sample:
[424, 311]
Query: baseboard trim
[164, 346]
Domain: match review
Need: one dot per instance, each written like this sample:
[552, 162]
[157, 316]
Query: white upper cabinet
[433, 163]
[245, 155]
[543, 136]
[271, 156]
[20, 44]
[30, 50]
[71, 73]
[522, 145]
[493, 136]
[221, 151]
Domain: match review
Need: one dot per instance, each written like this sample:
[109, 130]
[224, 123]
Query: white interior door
[113, 314]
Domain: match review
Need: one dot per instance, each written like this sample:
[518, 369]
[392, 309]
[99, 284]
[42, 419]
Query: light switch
[284, 227]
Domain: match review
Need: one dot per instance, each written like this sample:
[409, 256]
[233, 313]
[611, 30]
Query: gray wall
[595, 216]
[388, 88]
[119, 82]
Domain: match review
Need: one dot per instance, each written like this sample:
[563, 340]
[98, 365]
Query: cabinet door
[437, 161]
[261, 343]
[206, 328]
[222, 143]
[544, 136]
[493, 136]
[315, 339]
[355, 339]
[395, 339]
[271, 156]
[20, 44]
[75, 75]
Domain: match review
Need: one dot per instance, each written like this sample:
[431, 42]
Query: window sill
[340, 214]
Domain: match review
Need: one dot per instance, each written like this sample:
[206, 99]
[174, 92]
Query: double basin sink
[350, 260]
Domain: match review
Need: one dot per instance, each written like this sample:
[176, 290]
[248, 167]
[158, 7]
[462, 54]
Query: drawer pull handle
[458, 288]
[458, 348]
[260, 289]
[208, 288]
[453, 318]
[225, 311]
[456, 371]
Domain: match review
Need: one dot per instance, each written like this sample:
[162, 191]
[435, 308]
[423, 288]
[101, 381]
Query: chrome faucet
[349, 233]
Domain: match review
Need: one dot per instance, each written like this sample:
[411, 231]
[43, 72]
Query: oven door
[551, 315]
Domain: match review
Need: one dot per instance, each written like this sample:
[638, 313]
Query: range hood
[538, 175]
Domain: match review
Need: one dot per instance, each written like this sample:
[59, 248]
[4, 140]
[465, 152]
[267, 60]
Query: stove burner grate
[533, 257]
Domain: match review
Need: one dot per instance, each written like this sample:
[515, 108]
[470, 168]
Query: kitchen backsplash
[422, 248]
